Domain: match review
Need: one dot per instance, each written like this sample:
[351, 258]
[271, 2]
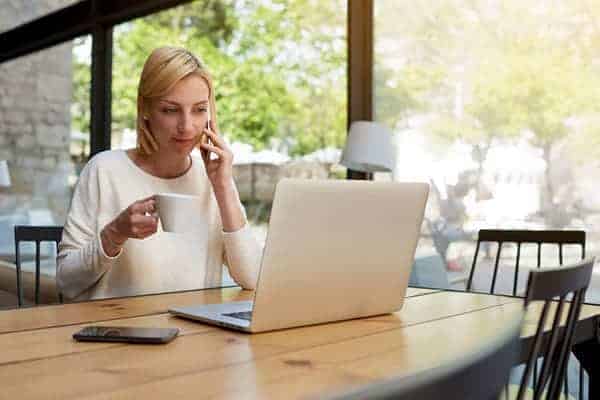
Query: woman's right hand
[137, 221]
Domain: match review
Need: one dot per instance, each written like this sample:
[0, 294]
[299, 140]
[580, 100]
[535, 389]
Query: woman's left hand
[220, 169]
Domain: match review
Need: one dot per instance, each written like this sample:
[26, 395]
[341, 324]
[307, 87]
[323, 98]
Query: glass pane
[279, 69]
[494, 103]
[15, 13]
[44, 114]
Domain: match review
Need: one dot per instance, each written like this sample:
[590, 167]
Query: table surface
[40, 359]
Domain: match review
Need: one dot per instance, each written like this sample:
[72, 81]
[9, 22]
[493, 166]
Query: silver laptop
[335, 250]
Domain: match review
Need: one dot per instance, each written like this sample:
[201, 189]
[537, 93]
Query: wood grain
[104, 310]
[118, 308]
[51, 359]
[205, 362]
[46, 343]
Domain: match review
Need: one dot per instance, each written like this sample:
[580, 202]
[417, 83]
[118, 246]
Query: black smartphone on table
[126, 334]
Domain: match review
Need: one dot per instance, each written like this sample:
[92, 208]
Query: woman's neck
[161, 165]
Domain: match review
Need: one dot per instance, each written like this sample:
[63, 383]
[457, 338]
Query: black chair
[37, 234]
[519, 237]
[546, 285]
[481, 375]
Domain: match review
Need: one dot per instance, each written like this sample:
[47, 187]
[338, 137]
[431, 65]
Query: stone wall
[35, 98]
[257, 181]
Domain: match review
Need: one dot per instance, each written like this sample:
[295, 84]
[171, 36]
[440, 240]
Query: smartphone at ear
[208, 141]
[208, 118]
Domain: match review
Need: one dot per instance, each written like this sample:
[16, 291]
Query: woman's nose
[186, 123]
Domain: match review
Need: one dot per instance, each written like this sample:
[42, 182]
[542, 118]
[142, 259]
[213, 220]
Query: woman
[112, 243]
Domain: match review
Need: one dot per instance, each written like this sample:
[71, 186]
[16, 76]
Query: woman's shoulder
[108, 157]
[105, 161]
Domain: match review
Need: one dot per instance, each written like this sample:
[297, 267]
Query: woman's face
[178, 118]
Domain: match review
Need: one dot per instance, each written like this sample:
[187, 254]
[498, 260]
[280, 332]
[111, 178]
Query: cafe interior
[416, 182]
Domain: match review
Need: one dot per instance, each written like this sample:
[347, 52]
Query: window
[494, 103]
[44, 114]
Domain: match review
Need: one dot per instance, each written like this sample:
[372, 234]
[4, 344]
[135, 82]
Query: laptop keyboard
[247, 315]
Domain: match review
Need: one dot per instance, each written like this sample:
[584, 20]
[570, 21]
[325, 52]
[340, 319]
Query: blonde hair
[165, 67]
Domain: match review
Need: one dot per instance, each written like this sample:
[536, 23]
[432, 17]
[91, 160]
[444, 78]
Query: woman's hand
[220, 174]
[219, 170]
[137, 221]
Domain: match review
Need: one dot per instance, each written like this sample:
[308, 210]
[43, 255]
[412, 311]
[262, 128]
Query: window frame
[98, 18]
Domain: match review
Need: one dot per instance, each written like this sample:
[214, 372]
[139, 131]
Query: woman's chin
[183, 147]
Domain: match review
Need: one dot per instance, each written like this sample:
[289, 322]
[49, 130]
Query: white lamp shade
[368, 148]
[4, 174]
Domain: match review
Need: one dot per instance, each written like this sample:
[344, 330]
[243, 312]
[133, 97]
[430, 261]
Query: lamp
[4, 174]
[368, 148]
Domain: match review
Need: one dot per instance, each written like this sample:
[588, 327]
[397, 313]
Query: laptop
[335, 250]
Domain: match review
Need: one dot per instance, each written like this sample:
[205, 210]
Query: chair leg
[566, 385]
[534, 378]
[19, 289]
[581, 379]
[18, 270]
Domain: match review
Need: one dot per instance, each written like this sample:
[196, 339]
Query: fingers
[214, 149]
[144, 221]
[217, 145]
[147, 205]
[204, 137]
[216, 139]
[143, 226]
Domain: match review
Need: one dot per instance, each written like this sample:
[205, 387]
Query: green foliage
[278, 67]
[80, 106]
[518, 70]
[405, 91]
[82, 80]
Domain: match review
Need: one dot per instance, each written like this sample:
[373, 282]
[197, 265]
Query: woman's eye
[201, 109]
[170, 110]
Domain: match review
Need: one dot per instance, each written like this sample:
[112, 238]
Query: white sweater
[163, 262]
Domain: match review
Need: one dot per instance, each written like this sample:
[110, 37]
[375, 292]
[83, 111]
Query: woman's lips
[185, 140]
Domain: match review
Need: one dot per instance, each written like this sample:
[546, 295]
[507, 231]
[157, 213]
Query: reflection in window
[495, 104]
[44, 114]
[280, 75]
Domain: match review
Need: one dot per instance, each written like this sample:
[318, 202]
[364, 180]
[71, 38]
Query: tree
[278, 67]
[80, 105]
[505, 70]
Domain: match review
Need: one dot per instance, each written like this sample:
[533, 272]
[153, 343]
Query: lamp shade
[368, 148]
[4, 174]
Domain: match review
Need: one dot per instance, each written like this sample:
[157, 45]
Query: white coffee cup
[179, 213]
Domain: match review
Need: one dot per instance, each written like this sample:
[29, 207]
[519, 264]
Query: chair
[480, 375]
[539, 237]
[37, 234]
[546, 285]
[519, 237]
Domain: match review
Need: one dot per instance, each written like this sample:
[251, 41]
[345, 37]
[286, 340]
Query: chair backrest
[519, 237]
[37, 234]
[546, 285]
[480, 375]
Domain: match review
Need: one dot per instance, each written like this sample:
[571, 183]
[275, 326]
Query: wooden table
[40, 360]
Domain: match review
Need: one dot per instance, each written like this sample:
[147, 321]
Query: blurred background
[494, 103]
